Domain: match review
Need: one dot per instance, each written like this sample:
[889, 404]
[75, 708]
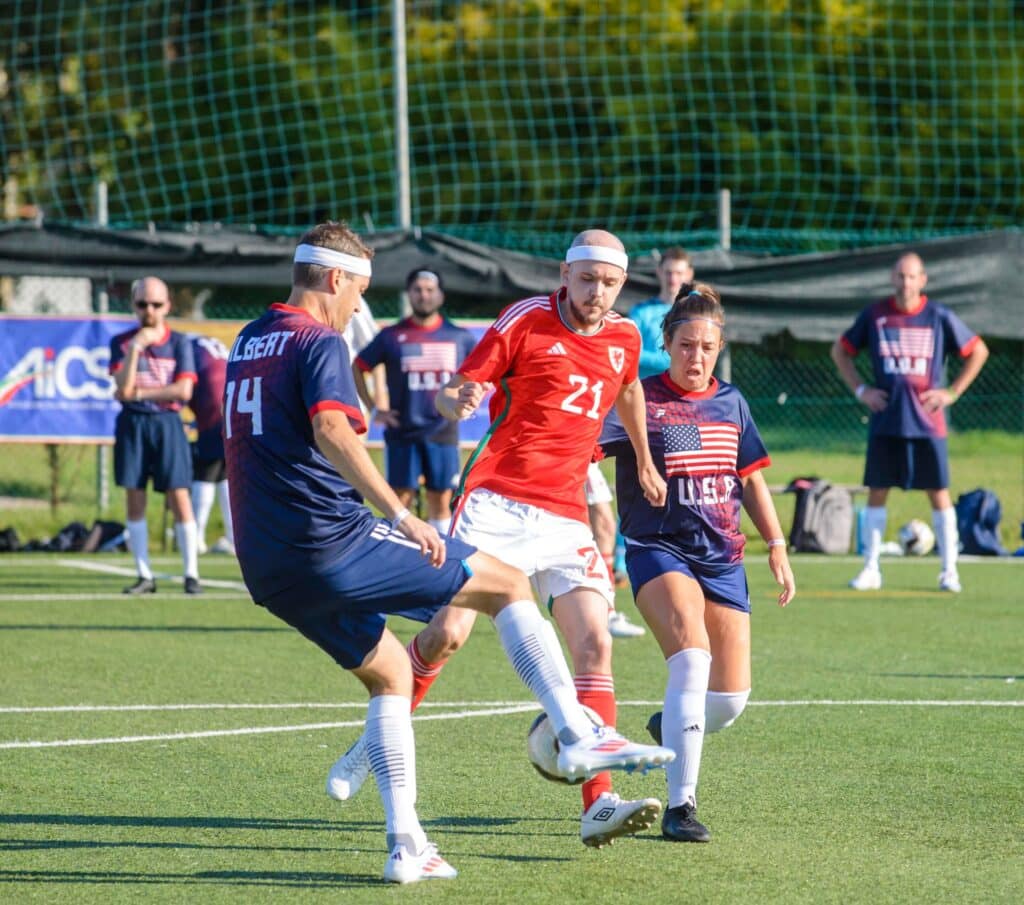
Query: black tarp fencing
[813, 296]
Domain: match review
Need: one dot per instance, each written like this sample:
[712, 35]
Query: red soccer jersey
[553, 388]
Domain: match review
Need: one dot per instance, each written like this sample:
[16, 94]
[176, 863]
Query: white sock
[187, 536]
[138, 543]
[224, 501]
[874, 530]
[682, 721]
[391, 748]
[203, 493]
[440, 525]
[946, 536]
[534, 652]
[722, 709]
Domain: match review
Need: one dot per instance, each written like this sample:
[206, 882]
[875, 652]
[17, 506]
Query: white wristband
[776, 542]
[859, 392]
[399, 517]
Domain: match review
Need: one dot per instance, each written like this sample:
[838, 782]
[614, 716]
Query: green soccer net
[833, 123]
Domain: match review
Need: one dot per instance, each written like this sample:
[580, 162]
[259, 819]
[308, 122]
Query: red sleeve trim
[851, 350]
[362, 365]
[968, 347]
[355, 416]
[754, 466]
[118, 367]
[186, 375]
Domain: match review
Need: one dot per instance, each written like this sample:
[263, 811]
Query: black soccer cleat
[141, 586]
[192, 586]
[654, 727]
[680, 824]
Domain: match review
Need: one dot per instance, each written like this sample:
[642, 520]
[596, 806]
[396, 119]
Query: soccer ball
[542, 747]
[916, 538]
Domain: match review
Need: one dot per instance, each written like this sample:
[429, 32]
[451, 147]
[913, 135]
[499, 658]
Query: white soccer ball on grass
[916, 538]
[542, 747]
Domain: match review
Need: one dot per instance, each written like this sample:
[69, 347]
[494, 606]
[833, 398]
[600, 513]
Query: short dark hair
[415, 273]
[334, 235]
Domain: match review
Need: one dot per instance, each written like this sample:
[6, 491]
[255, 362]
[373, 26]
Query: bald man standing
[908, 338]
[154, 372]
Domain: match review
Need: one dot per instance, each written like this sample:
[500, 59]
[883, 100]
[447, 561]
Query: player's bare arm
[460, 397]
[630, 407]
[874, 398]
[342, 447]
[942, 397]
[757, 501]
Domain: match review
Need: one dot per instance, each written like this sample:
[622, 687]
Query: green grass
[855, 798]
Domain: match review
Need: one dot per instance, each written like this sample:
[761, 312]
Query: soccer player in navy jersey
[154, 373]
[420, 353]
[685, 560]
[316, 557]
[908, 338]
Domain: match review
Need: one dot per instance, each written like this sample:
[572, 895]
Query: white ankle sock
[682, 721]
[138, 543]
[187, 536]
[874, 529]
[946, 536]
[203, 493]
[224, 501]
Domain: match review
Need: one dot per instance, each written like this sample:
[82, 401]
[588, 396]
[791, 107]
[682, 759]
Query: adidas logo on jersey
[557, 349]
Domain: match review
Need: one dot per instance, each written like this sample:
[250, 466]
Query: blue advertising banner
[54, 385]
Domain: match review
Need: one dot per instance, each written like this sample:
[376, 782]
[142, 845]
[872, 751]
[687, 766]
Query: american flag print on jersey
[906, 342]
[700, 448]
[431, 356]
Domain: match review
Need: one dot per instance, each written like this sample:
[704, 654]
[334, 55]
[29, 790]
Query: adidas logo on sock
[557, 349]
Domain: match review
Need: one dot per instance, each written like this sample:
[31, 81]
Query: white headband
[597, 253]
[328, 257]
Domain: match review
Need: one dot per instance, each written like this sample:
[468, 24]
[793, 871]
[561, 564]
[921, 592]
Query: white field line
[115, 596]
[130, 572]
[493, 709]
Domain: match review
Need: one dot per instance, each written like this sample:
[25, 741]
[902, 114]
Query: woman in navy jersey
[685, 561]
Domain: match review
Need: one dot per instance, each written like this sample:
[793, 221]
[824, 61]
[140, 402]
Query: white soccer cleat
[201, 548]
[610, 817]
[223, 545]
[349, 772]
[867, 579]
[604, 750]
[950, 581]
[619, 626]
[405, 867]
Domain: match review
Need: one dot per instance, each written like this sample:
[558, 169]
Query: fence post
[101, 305]
[725, 243]
[403, 204]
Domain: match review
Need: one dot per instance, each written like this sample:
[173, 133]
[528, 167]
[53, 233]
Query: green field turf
[881, 758]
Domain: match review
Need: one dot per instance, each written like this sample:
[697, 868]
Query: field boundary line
[109, 569]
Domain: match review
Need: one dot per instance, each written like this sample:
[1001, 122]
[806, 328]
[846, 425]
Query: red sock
[598, 693]
[423, 673]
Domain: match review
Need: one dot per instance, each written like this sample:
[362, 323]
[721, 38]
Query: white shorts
[596, 487]
[557, 553]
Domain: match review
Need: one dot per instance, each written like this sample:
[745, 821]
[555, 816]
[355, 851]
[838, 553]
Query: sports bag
[822, 518]
[977, 522]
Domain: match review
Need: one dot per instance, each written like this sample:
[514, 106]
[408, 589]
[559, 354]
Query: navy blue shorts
[342, 609]
[726, 585]
[911, 463]
[151, 447]
[438, 464]
[210, 471]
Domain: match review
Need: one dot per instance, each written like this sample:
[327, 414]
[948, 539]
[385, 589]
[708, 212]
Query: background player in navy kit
[154, 373]
[420, 354]
[209, 473]
[314, 555]
[685, 561]
[908, 338]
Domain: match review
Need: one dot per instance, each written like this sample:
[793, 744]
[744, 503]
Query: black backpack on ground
[822, 518]
[977, 522]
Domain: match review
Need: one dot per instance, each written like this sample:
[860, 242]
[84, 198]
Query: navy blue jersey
[908, 351]
[419, 361]
[703, 444]
[211, 357]
[160, 365]
[291, 509]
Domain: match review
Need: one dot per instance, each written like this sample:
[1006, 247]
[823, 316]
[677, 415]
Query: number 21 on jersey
[247, 401]
[576, 401]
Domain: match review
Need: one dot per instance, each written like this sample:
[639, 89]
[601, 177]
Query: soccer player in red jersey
[557, 364]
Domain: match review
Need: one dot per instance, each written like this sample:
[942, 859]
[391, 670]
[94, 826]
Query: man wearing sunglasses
[154, 372]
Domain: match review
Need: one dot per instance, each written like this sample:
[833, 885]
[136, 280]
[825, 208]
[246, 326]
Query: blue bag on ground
[977, 522]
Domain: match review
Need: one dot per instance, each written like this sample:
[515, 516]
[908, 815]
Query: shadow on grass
[939, 675]
[283, 879]
[198, 629]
